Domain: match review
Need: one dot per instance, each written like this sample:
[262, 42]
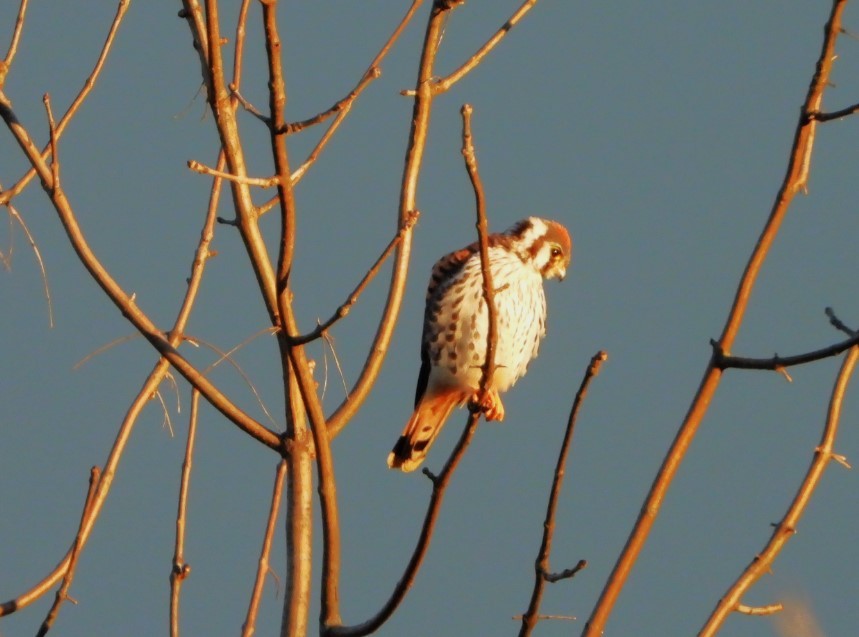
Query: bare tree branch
[795, 180]
[32, 241]
[839, 114]
[541, 564]
[63, 592]
[444, 84]
[180, 568]
[342, 311]
[440, 483]
[263, 567]
[784, 530]
[488, 368]
[6, 62]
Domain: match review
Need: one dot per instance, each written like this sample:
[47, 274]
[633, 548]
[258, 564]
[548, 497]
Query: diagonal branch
[373, 71]
[343, 310]
[541, 564]
[63, 592]
[444, 84]
[795, 180]
[123, 301]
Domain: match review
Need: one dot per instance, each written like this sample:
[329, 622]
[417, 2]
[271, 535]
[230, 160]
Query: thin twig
[103, 348]
[833, 115]
[263, 564]
[52, 129]
[32, 241]
[344, 309]
[795, 180]
[239, 50]
[250, 108]
[167, 422]
[776, 362]
[373, 71]
[181, 569]
[228, 357]
[63, 592]
[759, 610]
[6, 62]
[837, 323]
[444, 84]
[343, 105]
[541, 564]
[262, 182]
[488, 367]
[786, 529]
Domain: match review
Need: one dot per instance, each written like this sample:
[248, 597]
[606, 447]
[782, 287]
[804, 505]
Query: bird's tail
[421, 430]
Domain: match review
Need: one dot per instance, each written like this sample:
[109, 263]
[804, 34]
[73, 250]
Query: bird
[456, 325]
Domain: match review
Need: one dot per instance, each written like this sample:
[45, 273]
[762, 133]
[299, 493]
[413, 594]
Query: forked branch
[786, 529]
[63, 592]
[541, 564]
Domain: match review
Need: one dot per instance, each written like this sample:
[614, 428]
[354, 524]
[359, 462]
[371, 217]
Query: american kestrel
[453, 345]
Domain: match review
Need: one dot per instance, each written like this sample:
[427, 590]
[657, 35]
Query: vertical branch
[795, 179]
[263, 565]
[541, 564]
[180, 569]
[299, 496]
[299, 517]
[786, 529]
[483, 240]
[62, 593]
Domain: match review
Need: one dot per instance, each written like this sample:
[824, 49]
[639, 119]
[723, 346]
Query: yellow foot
[489, 403]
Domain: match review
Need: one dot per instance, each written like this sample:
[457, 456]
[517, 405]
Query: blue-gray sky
[657, 134]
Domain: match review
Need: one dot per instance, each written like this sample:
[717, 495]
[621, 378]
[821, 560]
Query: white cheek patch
[544, 254]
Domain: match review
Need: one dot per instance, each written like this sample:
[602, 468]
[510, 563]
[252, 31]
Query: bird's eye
[556, 252]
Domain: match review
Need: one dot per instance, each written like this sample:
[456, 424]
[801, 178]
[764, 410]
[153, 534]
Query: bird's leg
[488, 402]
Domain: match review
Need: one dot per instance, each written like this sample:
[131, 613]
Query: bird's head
[545, 243]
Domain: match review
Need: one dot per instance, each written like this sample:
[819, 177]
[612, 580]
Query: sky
[657, 132]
